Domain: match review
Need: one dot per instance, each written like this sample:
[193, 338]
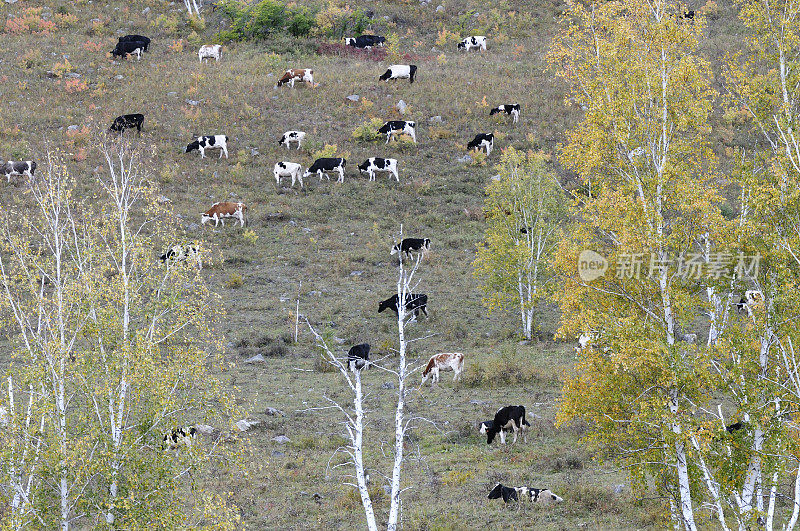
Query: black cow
[415, 302]
[412, 245]
[127, 121]
[358, 357]
[327, 164]
[509, 417]
[135, 38]
[365, 41]
[122, 49]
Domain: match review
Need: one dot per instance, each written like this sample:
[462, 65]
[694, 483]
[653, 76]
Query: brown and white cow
[297, 74]
[20, 167]
[219, 211]
[445, 361]
[210, 51]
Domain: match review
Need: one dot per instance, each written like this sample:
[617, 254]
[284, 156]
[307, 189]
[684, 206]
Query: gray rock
[338, 340]
[271, 411]
[73, 75]
[163, 200]
[276, 453]
[497, 177]
[619, 488]
[440, 8]
[466, 159]
[254, 152]
[435, 119]
[204, 429]
[245, 424]
[119, 77]
[11, 1]
[145, 11]
[258, 358]
[387, 385]
[192, 102]
[353, 97]
[387, 489]
[356, 273]
[401, 106]
[191, 227]
[281, 439]
[72, 128]
[172, 94]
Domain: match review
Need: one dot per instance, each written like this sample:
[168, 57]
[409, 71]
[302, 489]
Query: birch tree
[643, 145]
[525, 214]
[112, 353]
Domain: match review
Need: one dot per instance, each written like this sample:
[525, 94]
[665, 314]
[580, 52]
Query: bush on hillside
[262, 19]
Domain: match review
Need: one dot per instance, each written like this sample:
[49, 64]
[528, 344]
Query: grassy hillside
[329, 243]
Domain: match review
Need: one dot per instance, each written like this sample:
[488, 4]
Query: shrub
[250, 236]
[264, 18]
[31, 59]
[327, 151]
[29, 21]
[234, 281]
[335, 21]
[301, 22]
[368, 131]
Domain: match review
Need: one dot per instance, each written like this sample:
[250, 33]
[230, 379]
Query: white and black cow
[182, 253]
[749, 301]
[292, 137]
[412, 245]
[478, 42]
[509, 417]
[358, 357]
[415, 303]
[127, 121]
[538, 496]
[400, 72]
[18, 167]
[510, 109]
[374, 165]
[210, 51]
[288, 169]
[183, 436]
[325, 165]
[136, 38]
[365, 41]
[123, 49]
[399, 127]
[203, 143]
[483, 141]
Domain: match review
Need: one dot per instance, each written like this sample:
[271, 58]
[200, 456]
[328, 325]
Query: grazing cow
[374, 165]
[136, 38]
[127, 121]
[511, 110]
[509, 417]
[297, 74]
[182, 253]
[327, 164]
[358, 357]
[292, 137]
[415, 302]
[203, 143]
[399, 127]
[477, 42]
[412, 245]
[183, 436]
[365, 41]
[482, 141]
[689, 15]
[210, 51]
[123, 49]
[400, 72]
[219, 211]
[445, 361]
[748, 302]
[288, 169]
[540, 496]
[19, 167]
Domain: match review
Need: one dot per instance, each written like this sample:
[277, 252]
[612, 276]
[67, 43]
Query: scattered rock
[435, 119]
[387, 489]
[191, 227]
[276, 453]
[192, 102]
[281, 439]
[258, 358]
[440, 8]
[73, 75]
[356, 273]
[11, 1]
[145, 11]
[244, 424]
[619, 488]
[204, 429]
[163, 200]
[353, 97]
[72, 128]
[119, 77]
[387, 385]
[271, 411]
[315, 293]
[401, 107]
[466, 159]
[254, 152]
[338, 340]
[497, 177]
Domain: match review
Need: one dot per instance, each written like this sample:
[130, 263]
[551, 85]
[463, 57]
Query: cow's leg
[424, 310]
[397, 177]
[341, 174]
[202, 152]
[225, 149]
[414, 136]
[502, 436]
[300, 178]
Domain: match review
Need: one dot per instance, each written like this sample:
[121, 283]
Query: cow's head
[385, 305]
[192, 146]
[348, 41]
[462, 45]
[364, 165]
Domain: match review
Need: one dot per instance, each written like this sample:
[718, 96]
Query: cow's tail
[413, 72]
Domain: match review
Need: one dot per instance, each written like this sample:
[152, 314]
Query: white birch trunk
[358, 454]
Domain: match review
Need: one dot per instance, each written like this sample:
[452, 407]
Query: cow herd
[510, 418]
